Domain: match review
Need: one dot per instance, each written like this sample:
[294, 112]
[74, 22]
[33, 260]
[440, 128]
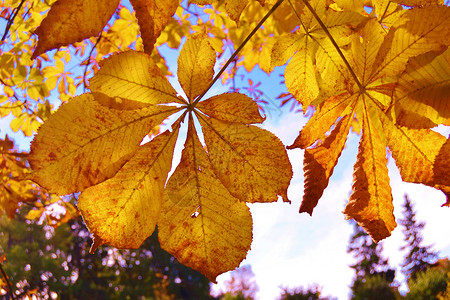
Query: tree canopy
[378, 68]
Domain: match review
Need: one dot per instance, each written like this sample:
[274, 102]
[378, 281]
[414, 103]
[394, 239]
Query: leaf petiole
[325, 29]
[233, 56]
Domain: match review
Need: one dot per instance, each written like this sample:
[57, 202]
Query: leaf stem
[385, 11]
[11, 19]
[298, 17]
[233, 56]
[325, 29]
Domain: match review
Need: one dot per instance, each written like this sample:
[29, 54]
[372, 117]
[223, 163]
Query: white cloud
[292, 249]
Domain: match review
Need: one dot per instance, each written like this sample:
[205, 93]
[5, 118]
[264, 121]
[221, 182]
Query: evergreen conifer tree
[374, 277]
[418, 257]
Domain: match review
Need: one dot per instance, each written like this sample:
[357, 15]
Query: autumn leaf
[373, 70]
[370, 203]
[94, 140]
[201, 223]
[13, 189]
[153, 16]
[93, 144]
[122, 211]
[234, 8]
[424, 88]
[70, 21]
[309, 44]
[320, 161]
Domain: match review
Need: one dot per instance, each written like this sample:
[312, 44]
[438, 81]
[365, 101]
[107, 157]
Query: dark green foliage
[374, 287]
[369, 259]
[300, 293]
[418, 257]
[61, 263]
[427, 285]
[374, 279]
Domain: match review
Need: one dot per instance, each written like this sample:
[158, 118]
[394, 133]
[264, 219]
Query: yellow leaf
[70, 21]
[251, 162]
[416, 2]
[320, 161]
[323, 119]
[153, 16]
[84, 143]
[364, 49]
[196, 66]
[422, 155]
[201, 223]
[231, 107]
[417, 31]
[370, 203]
[422, 97]
[235, 8]
[122, 211]
[286, 46]
[300, 77]
[135, 76]
[34, 214]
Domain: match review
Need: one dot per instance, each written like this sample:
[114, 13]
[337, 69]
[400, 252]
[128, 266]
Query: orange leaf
[422, 155]
[196, 66]
[232, 107]
[323, 119]
[201, 223]
[153, 16]
[251, 162]
[320, 161]
[422, 98]
[70, 21]
[137, 189]
[84, 143]
[370, 204]
[134, 76]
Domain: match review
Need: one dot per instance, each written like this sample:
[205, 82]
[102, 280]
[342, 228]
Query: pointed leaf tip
[96, 242]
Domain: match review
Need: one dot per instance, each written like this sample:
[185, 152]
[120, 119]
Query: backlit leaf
[370, 204]
[301, 79]
[85, 143]
[322, 120]
[196, 66]
[123, 210]
[421, 155]
[418, 31]
[231, 107]
[251, 162]
[135, 76]
[70, 21]
[201, 223]
[422, 98]
[153, 16]
[320, 161]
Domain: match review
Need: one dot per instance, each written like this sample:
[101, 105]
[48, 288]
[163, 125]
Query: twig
[325, 29]
[89, 60]
[11, 20]
[233, 56]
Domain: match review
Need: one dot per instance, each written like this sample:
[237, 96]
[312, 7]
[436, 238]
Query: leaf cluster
[383, 74]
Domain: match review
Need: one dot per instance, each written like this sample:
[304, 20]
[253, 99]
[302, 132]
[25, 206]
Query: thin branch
[89, 60]
[325, 29]
[8, 283]
[11, 20]
[298, 17]
[233, 56]
[385, 11]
